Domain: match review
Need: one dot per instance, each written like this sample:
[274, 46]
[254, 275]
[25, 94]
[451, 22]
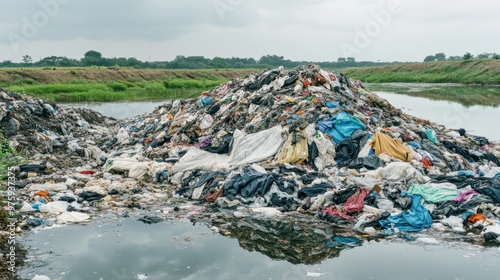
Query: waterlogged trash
[35, 222]
[428, 240]
[266, 211]
[150, 219]
[314, 274]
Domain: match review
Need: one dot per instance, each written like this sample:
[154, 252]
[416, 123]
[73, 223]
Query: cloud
[296, 29]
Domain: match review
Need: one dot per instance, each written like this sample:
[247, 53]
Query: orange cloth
[383, 143]
[476, 218]
[42, 193]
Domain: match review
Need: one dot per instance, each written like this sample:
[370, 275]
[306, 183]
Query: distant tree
[133, 62]
[219, 62]
[341, 59]
[429, 58]
[6, 63]
[351, 59]
[272, 60]
[495, 56]
[27, 59]
[57, 61]
[467, 56]
[93, 58]
[456, 57]
[440, 56]
[485, 55]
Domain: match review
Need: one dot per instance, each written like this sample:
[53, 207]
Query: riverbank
[484, 72]
[94, 84]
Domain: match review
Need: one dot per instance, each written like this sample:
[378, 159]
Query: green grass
[183, 83]
[8, 157]
[41, 90]
[485, 72]
[86, 91]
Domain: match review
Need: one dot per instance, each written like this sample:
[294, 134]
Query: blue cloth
[415, 145]
[206, 101]
[37, 205]
[466, 215]
[340, 126]
[330, 104]
[467, 173]
[417, 219]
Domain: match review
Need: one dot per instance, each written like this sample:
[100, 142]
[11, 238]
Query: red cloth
[356, 202]
[427, 163]
[336, 212]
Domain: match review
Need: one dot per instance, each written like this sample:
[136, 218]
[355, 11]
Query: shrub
[23, 81]
[118, 86]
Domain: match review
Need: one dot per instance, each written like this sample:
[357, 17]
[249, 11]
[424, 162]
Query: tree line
[95, 58]
[467, 56]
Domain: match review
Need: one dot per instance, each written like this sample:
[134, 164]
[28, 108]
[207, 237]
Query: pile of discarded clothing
[39, 127]
[316, 142]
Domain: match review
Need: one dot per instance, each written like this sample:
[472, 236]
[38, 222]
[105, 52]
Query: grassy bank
[460, 71]
[94, 84]
[79, 91]
[107, 85]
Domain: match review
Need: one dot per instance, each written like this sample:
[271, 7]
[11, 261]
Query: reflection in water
[120, 110]
[466, 95]
[282, 240]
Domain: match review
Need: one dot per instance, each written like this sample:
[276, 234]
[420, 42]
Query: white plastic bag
[54, 207]
[73, 217]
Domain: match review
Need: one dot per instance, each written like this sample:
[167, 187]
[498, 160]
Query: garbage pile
[284, 142]
[39, 127]
[316, 142]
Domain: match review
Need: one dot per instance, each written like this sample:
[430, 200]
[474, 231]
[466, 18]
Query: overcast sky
[309, 30]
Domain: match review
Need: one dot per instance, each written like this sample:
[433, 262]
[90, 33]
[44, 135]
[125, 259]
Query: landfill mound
[41, 129]
[303, 141]
[316, 142]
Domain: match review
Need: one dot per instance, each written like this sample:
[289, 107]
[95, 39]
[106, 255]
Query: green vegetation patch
[85, 91]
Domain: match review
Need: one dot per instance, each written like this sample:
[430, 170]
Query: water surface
[477, 120]
[128, 249]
